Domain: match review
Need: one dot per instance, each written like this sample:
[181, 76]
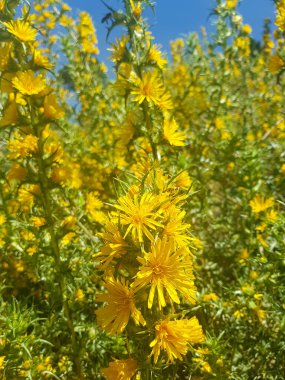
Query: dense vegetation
[141, 218]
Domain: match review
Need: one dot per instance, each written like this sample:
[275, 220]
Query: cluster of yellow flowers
[105, 184]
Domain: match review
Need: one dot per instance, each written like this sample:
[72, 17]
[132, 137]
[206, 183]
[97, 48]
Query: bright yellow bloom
[136, 8]
[5, 53]
[174, 337]
[22, 30]
[166, 269]
[231, 4]
[259, 203]
[210, 297]
[151, 88]
[2, 362]
[271, 216]
[52, 109]
[155, 56]
[139, 214]
[275, 64]
[38, 221]
[28, 83]
[119, 49]
[115, 246]
[41, 60]
[175, 228]
[115, 316]
[23, 147]
[79, 295]
[170, 133]
[10, 115]
[247, 29]
[280, 16]
[16, 172]
[120, 370]
[2, 219]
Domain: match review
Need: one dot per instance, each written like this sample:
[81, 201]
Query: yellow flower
[183, 180]
[22, 30]
[210, 297]
[170, 133]
[115, 246]
[52, 109]
[23, 147]
[79, 295]
[275, 64]
[139, 214]
[2, 362]
[136, 8]
[151, 88]
[10, 115]
[174, 337]
[231, 4]
[119, 49]
[114, 317]
[246, 29]
[28, 83]
[280, 17]
[2, 219]
[5, 53]
[41, 61]
[155, 56]
[38, 221]
[165, 269]
[120, 370]
[175, 228]
[259, 203]
[271, 216]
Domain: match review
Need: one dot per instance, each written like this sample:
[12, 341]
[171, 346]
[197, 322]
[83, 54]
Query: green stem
[46, 203]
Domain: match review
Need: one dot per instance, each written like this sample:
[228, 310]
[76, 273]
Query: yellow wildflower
[114, 317]
[52, 109]
[119, 49]
[28, 83]
[275, 64]
[139, 214]
[246, 29]
[22, 30]
[151, 89]
[231, 4]
[79, 295]
[271, 216]
[210, 297]
[120, 370]
[280, 17]
[171, 134]
[166, 269]
[38, 221]
[259, 203]
[23, 147]
[154, 55]
[174, 337]
[2, 219]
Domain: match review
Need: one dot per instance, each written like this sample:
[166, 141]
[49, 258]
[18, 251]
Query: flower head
[166, 269]
[114, 317]
[28, 83]
[174, 337]
[171, 134]
[259, 203]
[151, 89]
[120, 370]
[139, 214]
[22, 30]
[280, 16]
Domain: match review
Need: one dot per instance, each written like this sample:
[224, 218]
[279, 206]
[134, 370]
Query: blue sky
[173, 18]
